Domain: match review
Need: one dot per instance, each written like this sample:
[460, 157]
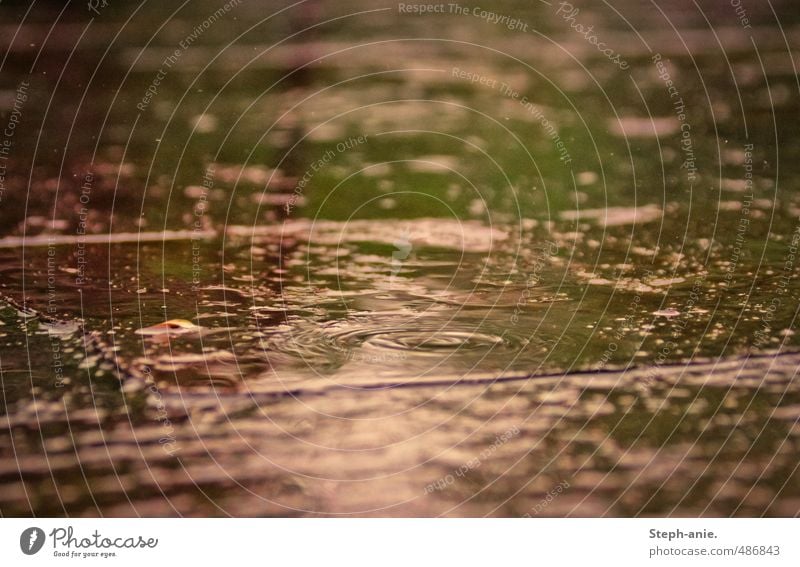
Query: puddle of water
[385, 272]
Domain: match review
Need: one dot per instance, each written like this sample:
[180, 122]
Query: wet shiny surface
[403, 291]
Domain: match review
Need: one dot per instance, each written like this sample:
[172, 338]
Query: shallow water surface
[421, 269]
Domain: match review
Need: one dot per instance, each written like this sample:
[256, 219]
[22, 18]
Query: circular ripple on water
[436, 342]
[388, 347]
[422, 339]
